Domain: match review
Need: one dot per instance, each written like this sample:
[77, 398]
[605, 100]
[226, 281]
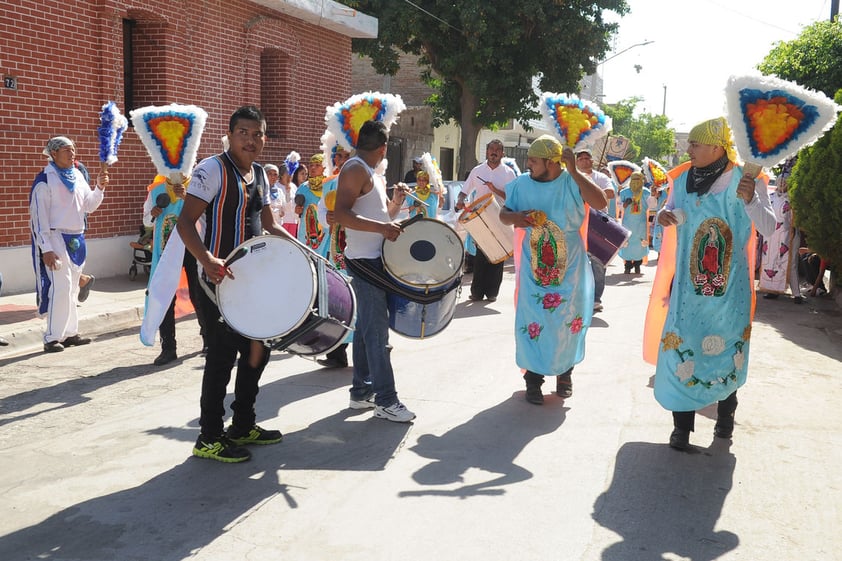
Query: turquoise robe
[657, 229]
[635, 219]
[555, 281]
[164, 224]
[430, 205]
[310, 232]
[704, 348]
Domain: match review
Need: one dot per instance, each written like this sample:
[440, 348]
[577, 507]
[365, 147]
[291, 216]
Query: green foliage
[815, 190]
[813, 59]
[481, 56]
[649, 134]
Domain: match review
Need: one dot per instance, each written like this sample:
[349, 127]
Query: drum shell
[427, 255]
[482, 220]
[605, 236]
[419, 321]
[327, 334]
[274, 297]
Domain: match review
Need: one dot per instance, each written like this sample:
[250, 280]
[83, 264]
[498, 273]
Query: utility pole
[834, 9]
[664, 110]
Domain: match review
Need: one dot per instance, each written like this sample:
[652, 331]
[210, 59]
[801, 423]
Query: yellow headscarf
[546, 147]
[715, 132]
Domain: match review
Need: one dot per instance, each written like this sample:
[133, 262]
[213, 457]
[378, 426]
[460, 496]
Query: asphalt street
[96, 451]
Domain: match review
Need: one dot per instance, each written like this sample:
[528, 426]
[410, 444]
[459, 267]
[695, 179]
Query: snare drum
[482, 220]
[286, 294]
[427, 255]
[605, 236]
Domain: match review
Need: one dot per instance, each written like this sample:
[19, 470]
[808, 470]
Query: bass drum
[482, 220]
[286, 295]
[605, 236]
[427, 255]
[418, 321]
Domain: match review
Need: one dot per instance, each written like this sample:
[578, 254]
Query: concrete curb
[29, 338]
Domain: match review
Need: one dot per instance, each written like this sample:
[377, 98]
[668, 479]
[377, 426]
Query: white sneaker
[396, 412]
[366, 403]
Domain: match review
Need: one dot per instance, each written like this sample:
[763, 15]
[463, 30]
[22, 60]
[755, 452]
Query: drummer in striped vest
[231, 192]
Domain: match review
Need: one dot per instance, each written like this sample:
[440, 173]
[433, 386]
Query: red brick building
[62, 60]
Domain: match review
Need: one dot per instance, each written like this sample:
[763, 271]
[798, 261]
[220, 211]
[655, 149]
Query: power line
[435, 17]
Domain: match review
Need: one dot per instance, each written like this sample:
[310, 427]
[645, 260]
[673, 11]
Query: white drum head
[273, 291]
[427, 253]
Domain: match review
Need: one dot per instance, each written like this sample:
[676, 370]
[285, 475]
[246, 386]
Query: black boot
[637, 265]
[627, 266]
[533, 388]
[167, 355]
[725, 410]
[683, 423]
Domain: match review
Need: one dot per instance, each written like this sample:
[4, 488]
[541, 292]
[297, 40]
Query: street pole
[664, 110]
[834, 9]
[615, 55]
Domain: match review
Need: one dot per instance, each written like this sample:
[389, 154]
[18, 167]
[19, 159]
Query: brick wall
[414, 130]
[67, 57]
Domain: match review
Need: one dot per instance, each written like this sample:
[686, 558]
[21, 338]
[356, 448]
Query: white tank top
[373, 205]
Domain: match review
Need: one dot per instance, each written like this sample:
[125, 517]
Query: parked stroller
[141, 252]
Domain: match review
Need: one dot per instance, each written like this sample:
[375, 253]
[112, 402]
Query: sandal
[564, 385]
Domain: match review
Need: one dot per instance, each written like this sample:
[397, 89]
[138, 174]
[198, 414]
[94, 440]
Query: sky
[696, 45]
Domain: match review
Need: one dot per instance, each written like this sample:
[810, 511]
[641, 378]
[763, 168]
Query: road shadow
[166, 518]
[490, 441]
[184, 509]
[66, 394]
[815, 325]
[662, 501]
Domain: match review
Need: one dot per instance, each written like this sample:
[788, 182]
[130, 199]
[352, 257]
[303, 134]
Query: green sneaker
[220, 449]
[254, 435]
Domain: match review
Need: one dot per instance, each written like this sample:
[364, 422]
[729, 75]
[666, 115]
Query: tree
[481, 56]
[816, 193]
[812, 60]
[649, 135]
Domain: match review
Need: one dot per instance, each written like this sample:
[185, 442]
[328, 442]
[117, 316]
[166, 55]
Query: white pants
[794, 256]
[62, 319]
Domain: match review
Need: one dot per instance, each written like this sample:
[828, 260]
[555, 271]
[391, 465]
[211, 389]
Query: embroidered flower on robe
[549, 301]
[533, 329]
[685, 371]
[713, 345]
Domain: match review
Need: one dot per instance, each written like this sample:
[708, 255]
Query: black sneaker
[75, 341]
[166, 356]
[220, 449]
[53, 347]
[254, 435]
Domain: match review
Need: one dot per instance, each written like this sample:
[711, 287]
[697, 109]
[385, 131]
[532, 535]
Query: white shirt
[500, 176]
[54, 207]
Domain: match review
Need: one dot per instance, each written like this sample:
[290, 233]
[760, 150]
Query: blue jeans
[598, 278]
[372, 363]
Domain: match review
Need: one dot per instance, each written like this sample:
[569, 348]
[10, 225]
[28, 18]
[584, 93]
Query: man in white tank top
[363, 208]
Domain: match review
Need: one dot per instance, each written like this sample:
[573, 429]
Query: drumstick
[242, 252]
[411, 196]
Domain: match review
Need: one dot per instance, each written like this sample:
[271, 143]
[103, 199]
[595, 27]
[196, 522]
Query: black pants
[686, 420]
[167, 328]
[340, 353]
[224, 344]
[487, 277]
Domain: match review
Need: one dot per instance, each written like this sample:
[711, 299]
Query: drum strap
[381, 280]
